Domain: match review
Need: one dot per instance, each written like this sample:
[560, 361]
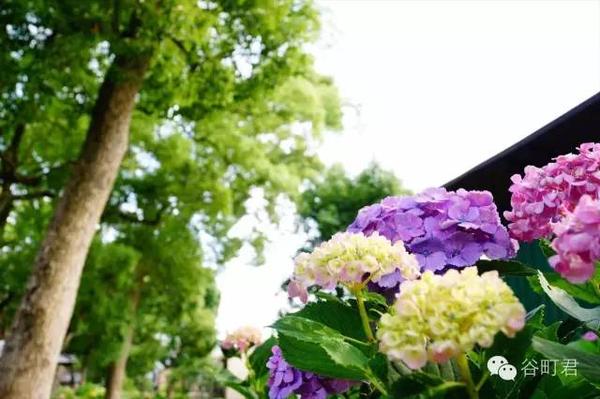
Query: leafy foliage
[586, 292]
[588, 364]
[260, 355]
[336, 315]
[230, 109]
[332, 203]
[308, 337]
[334, 356]
[505, 268]
[568, 304]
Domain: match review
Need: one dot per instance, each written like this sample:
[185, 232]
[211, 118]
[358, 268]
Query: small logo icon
[507, 372]
[498, 365]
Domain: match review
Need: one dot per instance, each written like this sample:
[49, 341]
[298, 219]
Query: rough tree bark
[28, 364]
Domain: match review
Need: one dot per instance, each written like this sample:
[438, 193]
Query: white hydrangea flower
[440, 316]
[242, 338]
[351, 259]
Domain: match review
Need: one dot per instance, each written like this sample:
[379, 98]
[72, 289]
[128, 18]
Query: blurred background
[260, 129]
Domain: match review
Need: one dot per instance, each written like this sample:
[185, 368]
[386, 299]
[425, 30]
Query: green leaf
[505, 268]
[326, 296]
[419, 385]
[568, 305]
[535, 317]
[310, 330]
[546, 248]
[586, 346]
[260, 355]
[580, 389]
[584, 292]
[439, 391]
[555, 387]
[550, 332]
[226, 378]
[313, 357]
[375, 298]
[588, 364]
[335, 315]
[345, 354]
[379, 365]
[313, 346]
[514, 350]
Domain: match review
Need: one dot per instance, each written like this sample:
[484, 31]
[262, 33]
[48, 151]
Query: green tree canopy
[331, 203]
[230, 106]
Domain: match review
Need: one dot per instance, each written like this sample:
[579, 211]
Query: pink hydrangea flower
[543, 196]
[590, 336]
[242, 339]
[577, 241]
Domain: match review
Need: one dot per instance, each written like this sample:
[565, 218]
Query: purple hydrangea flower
[286, 380]
[442, 228]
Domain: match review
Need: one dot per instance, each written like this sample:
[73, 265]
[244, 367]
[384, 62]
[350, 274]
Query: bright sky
[436, 87]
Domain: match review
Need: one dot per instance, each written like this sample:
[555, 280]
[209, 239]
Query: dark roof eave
[561, 136]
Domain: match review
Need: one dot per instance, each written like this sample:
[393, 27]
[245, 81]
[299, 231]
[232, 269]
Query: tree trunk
[170, 388]
[117, 370]
[28, 364]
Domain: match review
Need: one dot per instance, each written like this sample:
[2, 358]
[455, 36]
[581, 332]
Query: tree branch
[188, 54]
[10, 155]
[36, 179]
[132, 217]
[115, 17]
[17, 137]
[27, 180]
[31, 180]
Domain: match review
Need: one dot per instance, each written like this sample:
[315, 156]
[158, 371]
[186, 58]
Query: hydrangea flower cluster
[350, 259]
[544, 195]
[440, 316]
[286, 380]
[242, 339]
[577, 241]
[590, 336]
[442, 228]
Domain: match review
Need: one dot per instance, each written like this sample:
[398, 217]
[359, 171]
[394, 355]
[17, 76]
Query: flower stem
[463, 366]
[376, 383]
[363, 315]
[251, 376]
[482, 381]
